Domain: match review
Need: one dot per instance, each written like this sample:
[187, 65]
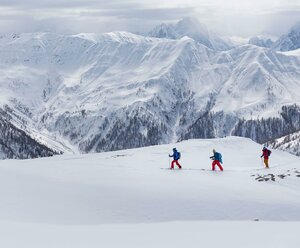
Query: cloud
[231, 17]
[83, 16]
[281, 21]
[273, 19]
[46, 4]
[148, 14]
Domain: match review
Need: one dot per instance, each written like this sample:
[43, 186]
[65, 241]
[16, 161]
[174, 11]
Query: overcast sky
[225, 17]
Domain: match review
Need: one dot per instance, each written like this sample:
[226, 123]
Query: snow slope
[258, 82]
[128, 198]
[290, 143]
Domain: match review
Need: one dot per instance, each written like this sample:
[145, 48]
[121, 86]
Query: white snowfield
[129, 199]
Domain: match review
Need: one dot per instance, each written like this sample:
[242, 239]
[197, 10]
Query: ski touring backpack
[179, 155]
[218, 156]
[269, 152]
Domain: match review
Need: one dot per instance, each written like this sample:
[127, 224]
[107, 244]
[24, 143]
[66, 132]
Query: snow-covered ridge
[291, 53]
[262, 41]
[191, 27]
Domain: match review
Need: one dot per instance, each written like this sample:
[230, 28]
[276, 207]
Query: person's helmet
[264, 148]
[214, 150]
[174, 149]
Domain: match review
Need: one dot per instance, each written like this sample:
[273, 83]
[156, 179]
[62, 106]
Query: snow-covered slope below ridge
[261, 81]
[290, 143]
[119, 90]
[72, 201]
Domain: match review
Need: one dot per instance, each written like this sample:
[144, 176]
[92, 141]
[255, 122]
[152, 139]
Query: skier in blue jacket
[217, 160]
[176, 157]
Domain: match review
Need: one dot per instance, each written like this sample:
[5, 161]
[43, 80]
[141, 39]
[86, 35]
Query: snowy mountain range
[102, 92]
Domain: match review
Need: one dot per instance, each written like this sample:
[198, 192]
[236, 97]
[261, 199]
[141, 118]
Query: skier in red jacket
[266, 154]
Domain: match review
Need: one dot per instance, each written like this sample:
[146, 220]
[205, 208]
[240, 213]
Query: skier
[176, 157]
[217, 160]
[266, 154]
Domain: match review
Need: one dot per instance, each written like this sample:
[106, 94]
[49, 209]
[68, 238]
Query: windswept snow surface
[129, 199]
